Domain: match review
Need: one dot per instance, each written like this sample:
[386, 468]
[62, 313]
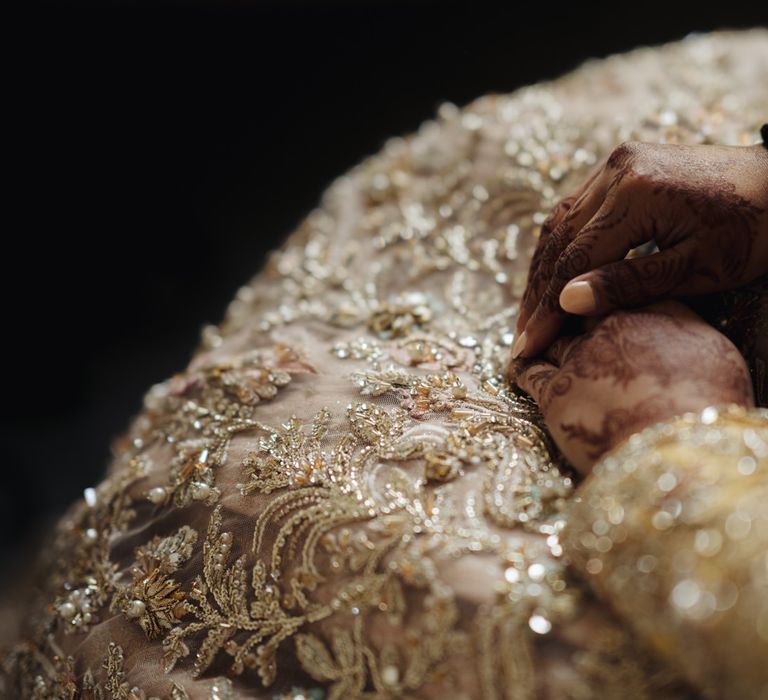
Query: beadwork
[341, 497]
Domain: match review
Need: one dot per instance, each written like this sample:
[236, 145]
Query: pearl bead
[390, 675]
[157, 495]
[67, 610]
[200, 490]
[136, 608]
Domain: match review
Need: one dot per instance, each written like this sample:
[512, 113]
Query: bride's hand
[632, 369]
[705, 206]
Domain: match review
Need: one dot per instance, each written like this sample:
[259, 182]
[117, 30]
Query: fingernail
[578, 298]
[519, 345]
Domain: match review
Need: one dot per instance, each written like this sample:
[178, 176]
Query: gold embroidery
[400, 316]
[426, 460]
[154, 599]
[289, 456]
[340, 495]
[115, 687]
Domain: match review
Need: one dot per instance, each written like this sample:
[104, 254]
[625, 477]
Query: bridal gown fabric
[341, 497]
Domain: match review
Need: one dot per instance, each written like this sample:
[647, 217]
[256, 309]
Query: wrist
[688, 401]
[679, 413]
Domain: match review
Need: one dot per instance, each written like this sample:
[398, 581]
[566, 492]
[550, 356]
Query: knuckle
[574, 261]
[630, 165]
[560, 274]
[624, 153]
[561, 235]
[561, 209]
[565, 205]
[551, 217]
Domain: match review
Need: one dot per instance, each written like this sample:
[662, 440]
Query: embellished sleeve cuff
[671, 530]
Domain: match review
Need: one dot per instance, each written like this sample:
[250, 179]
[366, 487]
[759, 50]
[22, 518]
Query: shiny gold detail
[383, 513]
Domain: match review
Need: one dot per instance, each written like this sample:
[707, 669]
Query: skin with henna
[632, 368]
[704, 206]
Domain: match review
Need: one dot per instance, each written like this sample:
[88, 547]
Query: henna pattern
[540, 379]
[578, 257]
[626, 285]
[727, 222]
[618, 424]
[621, 162]
[699, 200]
[559, 385]
[684, 364]
[606, 221]
[561, 210]
[725, 370]
[559, 351]
[628, 345]
[558, 240]
[556, 216]
[563, 270]
[550, 248]
[622, 347]
[681, 197]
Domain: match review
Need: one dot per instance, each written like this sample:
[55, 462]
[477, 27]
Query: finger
[568, 206]
[564, 209]
[606, 237]
[535, 379]
[554, 219]
[556, 216]
[558, 352]
[514, 368]
[640, 281]
[549, 253]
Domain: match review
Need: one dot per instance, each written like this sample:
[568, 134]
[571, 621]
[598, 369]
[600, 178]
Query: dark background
[158, 150]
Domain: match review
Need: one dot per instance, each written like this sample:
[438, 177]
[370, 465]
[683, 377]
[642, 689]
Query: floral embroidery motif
[154, 599]
[288, 456]
[216, 400]
[325, 489]
[400, 316]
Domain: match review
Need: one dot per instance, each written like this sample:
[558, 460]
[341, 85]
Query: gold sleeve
[671, 530]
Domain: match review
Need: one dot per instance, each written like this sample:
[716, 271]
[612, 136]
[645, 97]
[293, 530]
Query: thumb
[632, 282]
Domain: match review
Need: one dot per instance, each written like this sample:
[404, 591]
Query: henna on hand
[617, 425]
[633, 368]
[705, 207]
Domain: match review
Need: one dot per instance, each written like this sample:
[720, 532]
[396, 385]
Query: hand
[705, 206]
[633, 369]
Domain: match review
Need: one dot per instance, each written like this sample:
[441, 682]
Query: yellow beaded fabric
[680, 510]
[340, 497]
